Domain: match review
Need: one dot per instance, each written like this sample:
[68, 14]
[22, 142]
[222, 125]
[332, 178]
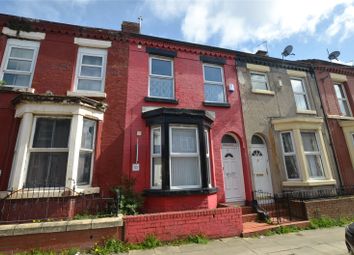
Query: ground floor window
[55, 145]
[180, 153]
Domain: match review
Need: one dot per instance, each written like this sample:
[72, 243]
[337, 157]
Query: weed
[200, 239]
[327, 222]
[130, 202]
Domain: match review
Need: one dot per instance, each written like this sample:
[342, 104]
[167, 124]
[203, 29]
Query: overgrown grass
[327, 222]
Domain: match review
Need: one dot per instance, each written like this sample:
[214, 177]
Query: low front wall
[214, 223]
[154, 204]
[334, 207]
[58, 235]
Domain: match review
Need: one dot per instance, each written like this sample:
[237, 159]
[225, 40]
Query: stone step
[249, 217]
[256, 228]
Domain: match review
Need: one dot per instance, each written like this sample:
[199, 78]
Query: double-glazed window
[342, 100]
[19, 62]
[300, 94]
[313, 154]
[49, 149]
[91, 70]
[156, 157]
[214, 88]
[184, 157]
[161, 84]
[259, 81]
[289, 154]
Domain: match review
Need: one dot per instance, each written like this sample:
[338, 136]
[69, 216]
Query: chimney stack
[262, 53]
[130, 27]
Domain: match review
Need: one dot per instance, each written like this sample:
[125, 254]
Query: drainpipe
[328, 130]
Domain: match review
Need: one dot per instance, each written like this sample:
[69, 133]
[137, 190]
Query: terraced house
[288, 141]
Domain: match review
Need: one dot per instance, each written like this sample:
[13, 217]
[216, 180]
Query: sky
[311, 26]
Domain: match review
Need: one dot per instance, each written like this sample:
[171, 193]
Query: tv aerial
[287, 51]
[333, 55]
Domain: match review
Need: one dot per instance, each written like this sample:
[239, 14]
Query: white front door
[233, 173]
[261, 172]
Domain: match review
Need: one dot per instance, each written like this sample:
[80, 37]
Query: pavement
[307, 242]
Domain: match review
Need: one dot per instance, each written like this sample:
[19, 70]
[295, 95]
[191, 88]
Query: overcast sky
[311, 26]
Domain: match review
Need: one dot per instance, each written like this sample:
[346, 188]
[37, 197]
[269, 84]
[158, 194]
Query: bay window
[179, 150]
[304, 152]
[56, 144]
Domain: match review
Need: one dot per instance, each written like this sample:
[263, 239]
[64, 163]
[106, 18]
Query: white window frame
[93, 151]
[90, 52]
[222, 83]
[313, 153]
[154, 155]
[266, 80]
[192, 155]
[28, 112]
[290, 154]
[167, 77]
[207, 152]
[16, 43]
[345, 99]
[303, 94]
[31, 149]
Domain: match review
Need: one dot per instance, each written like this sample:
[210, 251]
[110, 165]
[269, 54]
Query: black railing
[47, 204]
[289, 205]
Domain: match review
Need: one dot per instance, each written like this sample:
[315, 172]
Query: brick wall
[56, 241]
[334, 208]
[215, 223]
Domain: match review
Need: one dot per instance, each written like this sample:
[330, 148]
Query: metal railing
[289, 205]
[59, 203]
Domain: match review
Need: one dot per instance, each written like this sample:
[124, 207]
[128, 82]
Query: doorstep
[259, 228]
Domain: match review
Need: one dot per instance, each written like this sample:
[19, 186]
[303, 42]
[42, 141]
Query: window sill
[17, 89]
[311, 112]
[182, 192]
[263, 92]
[160, 100]
[340, 117]
[35, 193]
[309, 183]
[225, 105]
[86, 94]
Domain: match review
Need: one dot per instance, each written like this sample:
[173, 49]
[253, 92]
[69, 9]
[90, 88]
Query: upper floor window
[161, 83]
[259, 81]
[342, 100]
[214, 89]
[19, 63]
[91, 70]
[300, 94]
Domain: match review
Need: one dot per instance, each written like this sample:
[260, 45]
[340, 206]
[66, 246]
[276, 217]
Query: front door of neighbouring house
[261, 172]
[233, 172]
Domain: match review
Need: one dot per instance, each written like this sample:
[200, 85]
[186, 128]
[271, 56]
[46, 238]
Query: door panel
[233, 172]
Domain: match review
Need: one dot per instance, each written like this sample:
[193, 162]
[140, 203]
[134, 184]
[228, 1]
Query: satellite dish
[287, 51]
[333, 55]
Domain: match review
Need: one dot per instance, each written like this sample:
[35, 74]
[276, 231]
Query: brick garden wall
[334, 208]
[214, 223]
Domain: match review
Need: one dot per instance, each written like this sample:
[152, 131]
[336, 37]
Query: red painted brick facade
[189, 91]
[323, 72]
[55, 72]
[215, 223]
